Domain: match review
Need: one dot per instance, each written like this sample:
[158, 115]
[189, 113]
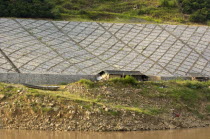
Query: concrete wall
[38, 79]
[175, 78]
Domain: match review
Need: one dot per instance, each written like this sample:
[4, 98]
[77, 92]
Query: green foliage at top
[94, 10]
[168, 3]
[109, 10]
[199, 9]
[200, 15]
[28, 9]
[128, 80]
[190, 6]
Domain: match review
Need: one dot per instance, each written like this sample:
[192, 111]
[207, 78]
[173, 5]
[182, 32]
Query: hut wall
[115, 76]
[154, 78]
[200, 78]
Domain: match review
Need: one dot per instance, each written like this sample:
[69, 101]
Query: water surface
[196, 133]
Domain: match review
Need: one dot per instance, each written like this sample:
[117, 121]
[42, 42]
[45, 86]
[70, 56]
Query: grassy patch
[87, 83]
[8, 90]
[154, 111]
[114, 112]
[35, 109]
[46, 109]
[140, 97]
[127, 11]
[148, 111]
[128, 80]
[196, 84]
[208, 108]
[121, 11]
[186, 95]
[169, 3]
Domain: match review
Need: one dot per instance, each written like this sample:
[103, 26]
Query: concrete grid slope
[86, 48]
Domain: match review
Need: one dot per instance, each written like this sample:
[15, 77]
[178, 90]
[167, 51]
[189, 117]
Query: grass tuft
[208, 108]
[87, 83]
[128, 80]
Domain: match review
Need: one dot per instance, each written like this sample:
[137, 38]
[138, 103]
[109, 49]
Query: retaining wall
[38, 79]
[87, 48]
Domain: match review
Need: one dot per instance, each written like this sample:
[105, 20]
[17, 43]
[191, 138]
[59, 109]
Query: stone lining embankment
[37, 78]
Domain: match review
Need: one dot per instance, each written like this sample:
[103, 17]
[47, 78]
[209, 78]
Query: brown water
[196, 133]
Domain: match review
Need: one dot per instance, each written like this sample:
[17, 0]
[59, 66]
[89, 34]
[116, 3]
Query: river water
[196, 133]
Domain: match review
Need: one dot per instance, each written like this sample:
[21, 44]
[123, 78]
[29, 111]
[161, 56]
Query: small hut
[198, 77]
[108, 74]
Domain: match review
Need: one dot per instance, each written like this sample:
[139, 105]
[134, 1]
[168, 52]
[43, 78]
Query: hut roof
[118, 72]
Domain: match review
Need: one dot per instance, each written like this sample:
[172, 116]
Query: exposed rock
[2, 96]
[106, 109]
[56, 109]
[51, 104]
[38, 101]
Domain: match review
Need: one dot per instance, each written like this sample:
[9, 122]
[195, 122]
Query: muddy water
[197, 133]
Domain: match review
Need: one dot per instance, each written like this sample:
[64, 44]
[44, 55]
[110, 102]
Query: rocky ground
[101, 107]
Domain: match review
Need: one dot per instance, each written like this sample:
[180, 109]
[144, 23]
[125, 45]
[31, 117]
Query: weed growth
[168, 3]
[128, 80]
[87, 83]
[208, 108]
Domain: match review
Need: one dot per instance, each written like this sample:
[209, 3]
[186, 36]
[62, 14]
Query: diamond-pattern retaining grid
[86, 48]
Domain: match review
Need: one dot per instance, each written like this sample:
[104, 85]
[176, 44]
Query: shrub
[29, 8]
[199, 9]
[127, 80]
[86, 82]
[199, 16]
[168, 3]
[208, 108]
[83, 12]
[195, 84]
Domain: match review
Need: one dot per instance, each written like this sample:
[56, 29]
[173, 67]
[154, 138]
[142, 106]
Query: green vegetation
[167, 11]
[208, 108]
[180, 94]
[28, 9]
[188, 93]
[199, 10]
[178, 102]
[46, 109]
[120, 11]
[117, 94]
[86, 82]
[179, 90]
[169, 3]
[128, 80]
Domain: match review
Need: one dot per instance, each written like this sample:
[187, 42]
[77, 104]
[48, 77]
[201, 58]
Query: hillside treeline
[199, 10]
[28, 9]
